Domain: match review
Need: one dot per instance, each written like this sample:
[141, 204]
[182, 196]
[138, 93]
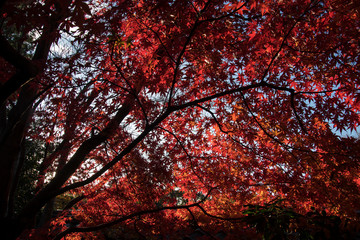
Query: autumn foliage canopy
[152, 118]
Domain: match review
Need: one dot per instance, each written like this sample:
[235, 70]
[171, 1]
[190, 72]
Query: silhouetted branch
[127, 217]
[73, 202]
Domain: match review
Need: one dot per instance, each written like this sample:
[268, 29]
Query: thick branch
[147, 130]
[130, 216]
[123, 153]
[73, 202]
[16, 59]
[75, 161]
[27, 70]
[218, 217]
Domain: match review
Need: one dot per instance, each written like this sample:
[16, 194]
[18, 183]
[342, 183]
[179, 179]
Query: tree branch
[16, 59]
[130, 216]
[147, 130]
[52, 189]
[73, 202]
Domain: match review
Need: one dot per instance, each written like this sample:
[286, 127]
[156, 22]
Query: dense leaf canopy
[145, 112]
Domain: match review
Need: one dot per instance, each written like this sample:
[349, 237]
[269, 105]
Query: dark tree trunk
[14, 120]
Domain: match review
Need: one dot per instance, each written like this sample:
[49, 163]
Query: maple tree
[182, 112]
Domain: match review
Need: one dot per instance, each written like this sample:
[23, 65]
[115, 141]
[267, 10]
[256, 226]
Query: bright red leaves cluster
[179, 111]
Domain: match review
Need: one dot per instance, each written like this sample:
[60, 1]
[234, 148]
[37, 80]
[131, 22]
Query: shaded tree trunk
[14, 121]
